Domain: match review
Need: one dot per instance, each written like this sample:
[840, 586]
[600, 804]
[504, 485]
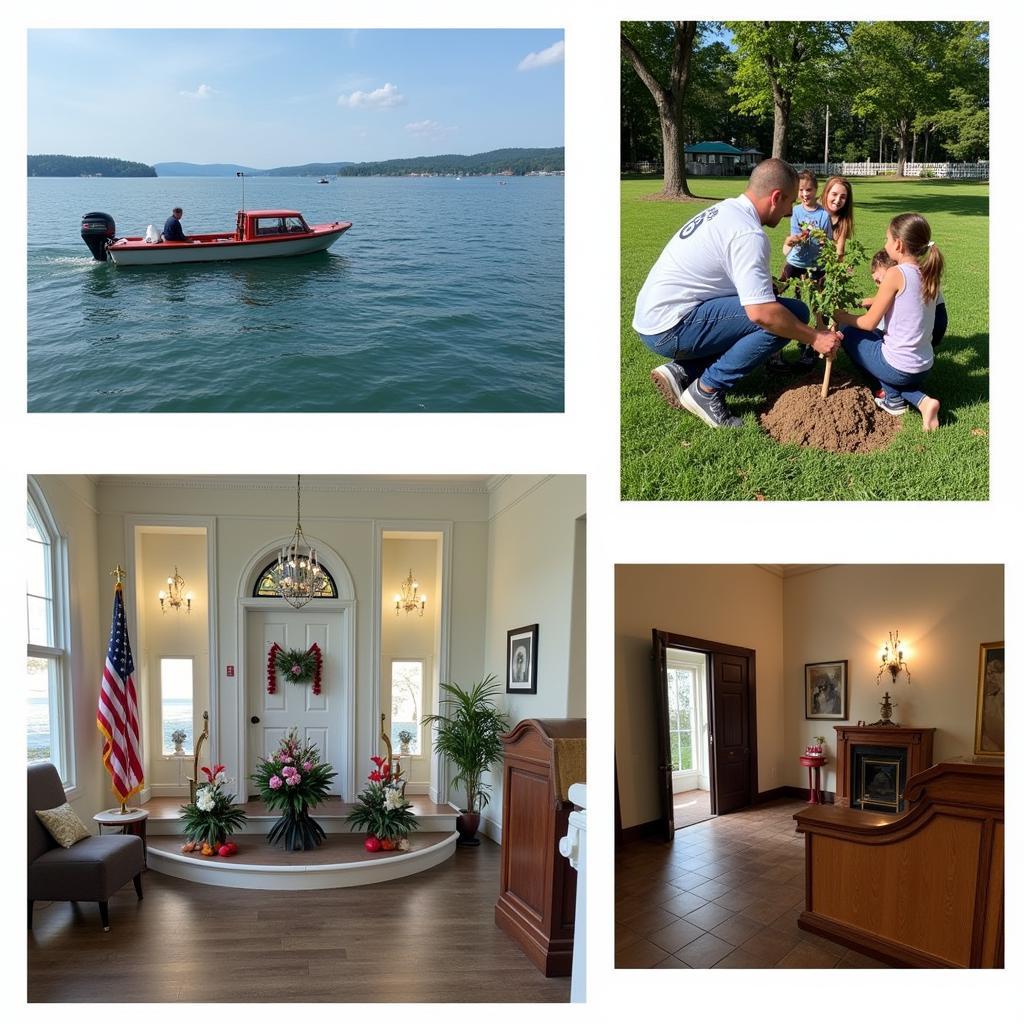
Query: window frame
[61, 694]
[160, 659]
[421, 660]
[265, 571]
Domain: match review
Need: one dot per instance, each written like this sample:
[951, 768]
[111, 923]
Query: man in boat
[172, 227]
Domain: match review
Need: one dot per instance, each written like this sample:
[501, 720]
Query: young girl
[900, 360]
[837, 198]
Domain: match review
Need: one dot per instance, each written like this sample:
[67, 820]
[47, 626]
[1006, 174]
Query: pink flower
[288, 771]
[307, 766]
[284, 759]
[296, 670]
[275, 782]
[294, 780]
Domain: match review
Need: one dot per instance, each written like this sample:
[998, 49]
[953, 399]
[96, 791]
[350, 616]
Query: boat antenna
[241, 174]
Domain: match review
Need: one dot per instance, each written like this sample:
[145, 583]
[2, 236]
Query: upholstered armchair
[91, 870]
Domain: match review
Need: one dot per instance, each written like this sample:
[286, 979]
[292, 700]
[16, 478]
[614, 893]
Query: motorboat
[258, 234]
[323, 181]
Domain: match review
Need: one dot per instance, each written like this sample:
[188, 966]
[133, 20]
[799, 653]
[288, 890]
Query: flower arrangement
[214, 816]
[296, 666]
[178, 738]
[382, 810]
[291, 781]
[405, 738]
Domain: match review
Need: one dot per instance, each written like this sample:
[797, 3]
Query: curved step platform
[341, 861]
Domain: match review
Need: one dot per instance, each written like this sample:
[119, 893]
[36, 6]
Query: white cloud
[554, 54]
[386, 96]
[204, 92]
[429, 129]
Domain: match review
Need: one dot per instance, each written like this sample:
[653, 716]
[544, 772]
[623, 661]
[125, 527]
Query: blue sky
[276, 97]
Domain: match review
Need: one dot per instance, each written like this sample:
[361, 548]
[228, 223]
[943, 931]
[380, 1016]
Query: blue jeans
[865, 351]
[719, 343]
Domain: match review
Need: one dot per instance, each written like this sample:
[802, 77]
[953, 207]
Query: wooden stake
[828, 373]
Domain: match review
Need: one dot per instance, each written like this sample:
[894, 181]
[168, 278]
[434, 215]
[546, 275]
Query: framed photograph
[988, 728]
[522, 660]
[825, 690]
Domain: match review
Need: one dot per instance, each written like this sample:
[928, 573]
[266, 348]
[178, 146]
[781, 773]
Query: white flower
[204, 799]
[393, 800]
[221, 779]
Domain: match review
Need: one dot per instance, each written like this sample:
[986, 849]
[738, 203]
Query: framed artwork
[988, 727]
[522, 660]
[825, 690]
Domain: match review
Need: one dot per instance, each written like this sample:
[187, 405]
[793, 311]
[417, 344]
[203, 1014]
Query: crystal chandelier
[297, 577]
[175, 594]
[410, 598]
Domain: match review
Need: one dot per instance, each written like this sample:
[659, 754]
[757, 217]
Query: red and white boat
[258, 234]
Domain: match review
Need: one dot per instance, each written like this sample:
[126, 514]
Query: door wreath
[296, 666]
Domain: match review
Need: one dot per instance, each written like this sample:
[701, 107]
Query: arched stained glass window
[265, 585]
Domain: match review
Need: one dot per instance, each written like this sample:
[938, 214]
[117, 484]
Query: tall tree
[660, 55]
[900, 67]
[781, 65]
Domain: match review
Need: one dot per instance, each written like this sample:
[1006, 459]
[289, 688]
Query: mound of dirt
[845, 420]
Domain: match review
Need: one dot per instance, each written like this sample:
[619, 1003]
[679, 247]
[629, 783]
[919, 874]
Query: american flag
[117, 716]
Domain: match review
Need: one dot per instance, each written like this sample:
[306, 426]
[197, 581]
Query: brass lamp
[894, 662]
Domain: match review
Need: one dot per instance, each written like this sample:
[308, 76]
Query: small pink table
[814, 763]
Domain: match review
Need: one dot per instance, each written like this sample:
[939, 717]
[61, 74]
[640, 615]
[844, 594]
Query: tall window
[406, 704]
[49, 699]
[680, 717]
[176, 704]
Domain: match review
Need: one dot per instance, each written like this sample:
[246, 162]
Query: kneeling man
[708, 303]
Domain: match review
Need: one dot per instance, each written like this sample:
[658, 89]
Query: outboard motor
[97, 230]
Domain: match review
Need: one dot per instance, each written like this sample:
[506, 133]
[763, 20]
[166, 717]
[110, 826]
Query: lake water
[444, 296]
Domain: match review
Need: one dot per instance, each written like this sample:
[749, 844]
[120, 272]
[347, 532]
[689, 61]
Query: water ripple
[444, 297]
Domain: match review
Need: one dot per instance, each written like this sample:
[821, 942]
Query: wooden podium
[537, 900]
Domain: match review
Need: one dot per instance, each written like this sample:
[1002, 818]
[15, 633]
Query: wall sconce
[175, 594]
[410, 598]
[894, 661]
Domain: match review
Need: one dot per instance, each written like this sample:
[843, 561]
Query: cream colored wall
[943, 612]
[408, 634]
[730, 604]
[72, 502]
[531, 551]
[167, 635]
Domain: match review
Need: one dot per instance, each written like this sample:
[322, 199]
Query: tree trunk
[669, 101]
[913, 148]
[901, 159]
[881, 141]
[782, 103]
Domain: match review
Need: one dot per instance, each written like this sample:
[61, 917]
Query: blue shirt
[172, 230]
[806, 254]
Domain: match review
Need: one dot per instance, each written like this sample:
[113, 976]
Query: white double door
[317, 718]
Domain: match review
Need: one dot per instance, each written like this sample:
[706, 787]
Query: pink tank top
[907, 345]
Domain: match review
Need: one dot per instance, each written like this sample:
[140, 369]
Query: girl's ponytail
[932, 264]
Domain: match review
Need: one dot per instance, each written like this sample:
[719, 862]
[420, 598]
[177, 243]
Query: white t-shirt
[722, 251]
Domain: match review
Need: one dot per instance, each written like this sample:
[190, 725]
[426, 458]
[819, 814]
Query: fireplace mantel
[916, 742]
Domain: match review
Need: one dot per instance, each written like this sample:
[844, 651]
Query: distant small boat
[323, 181]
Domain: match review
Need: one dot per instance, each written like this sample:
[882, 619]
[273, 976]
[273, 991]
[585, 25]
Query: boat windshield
[280, 225]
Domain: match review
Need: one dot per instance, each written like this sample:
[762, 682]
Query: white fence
[869, 169]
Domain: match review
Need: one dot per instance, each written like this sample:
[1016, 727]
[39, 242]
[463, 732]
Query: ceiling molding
[454, 485]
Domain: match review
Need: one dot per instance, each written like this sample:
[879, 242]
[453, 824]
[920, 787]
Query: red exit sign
[231, 671]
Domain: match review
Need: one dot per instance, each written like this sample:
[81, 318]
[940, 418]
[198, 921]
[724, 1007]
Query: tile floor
[726, 893]
[690, 807]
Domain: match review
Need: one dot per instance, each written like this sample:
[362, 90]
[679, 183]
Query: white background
[584, 439]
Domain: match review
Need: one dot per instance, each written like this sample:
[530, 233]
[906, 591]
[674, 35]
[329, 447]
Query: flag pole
[118, 573]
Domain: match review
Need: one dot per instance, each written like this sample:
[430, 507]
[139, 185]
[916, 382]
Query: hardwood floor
[427, 938]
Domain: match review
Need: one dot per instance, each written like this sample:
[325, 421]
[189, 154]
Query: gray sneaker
[670, 379]
[893, 406]
[710, 408]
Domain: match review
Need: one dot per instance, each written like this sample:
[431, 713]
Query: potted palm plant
[469, 725]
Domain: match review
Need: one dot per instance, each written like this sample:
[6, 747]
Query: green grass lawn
[669, 455]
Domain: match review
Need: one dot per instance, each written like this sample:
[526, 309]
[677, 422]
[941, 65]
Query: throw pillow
[64, 825]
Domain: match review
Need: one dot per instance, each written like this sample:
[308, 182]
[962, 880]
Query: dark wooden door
[730, 731]
[667, 823]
